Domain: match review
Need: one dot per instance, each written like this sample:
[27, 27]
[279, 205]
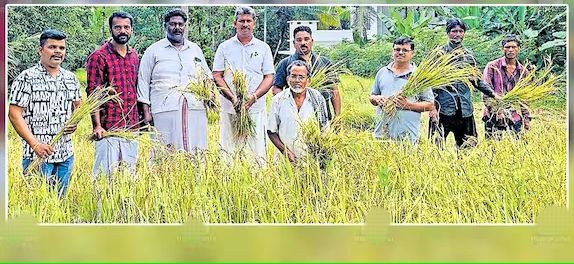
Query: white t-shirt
[254, 59]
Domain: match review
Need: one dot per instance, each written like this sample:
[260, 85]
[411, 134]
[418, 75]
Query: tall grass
[507, 181]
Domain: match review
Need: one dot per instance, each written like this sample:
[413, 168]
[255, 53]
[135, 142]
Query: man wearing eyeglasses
[390, 80]
[453, 105]
[303, 43]
[503, 74]
[179, 117]
[292, 106]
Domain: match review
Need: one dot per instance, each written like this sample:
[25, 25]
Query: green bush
[367, 60]
[361, 61]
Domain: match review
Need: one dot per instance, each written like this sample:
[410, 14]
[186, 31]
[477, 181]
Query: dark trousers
[463, 128]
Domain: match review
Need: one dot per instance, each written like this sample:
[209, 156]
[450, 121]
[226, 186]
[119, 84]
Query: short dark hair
[510, 38]
[51, 34]
[453, 22]
[174, 12]
[302, 28]
[404, 41]
[120, 14]
[299, 63]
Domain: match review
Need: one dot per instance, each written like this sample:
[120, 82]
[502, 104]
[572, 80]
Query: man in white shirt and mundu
[179, 117]
[243, 52]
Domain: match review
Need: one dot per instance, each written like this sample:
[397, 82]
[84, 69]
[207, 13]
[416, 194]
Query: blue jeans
[62, 171]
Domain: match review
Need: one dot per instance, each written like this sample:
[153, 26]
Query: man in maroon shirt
[503, 74]
[115, 64]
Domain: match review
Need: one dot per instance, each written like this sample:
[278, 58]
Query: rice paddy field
[506, 181]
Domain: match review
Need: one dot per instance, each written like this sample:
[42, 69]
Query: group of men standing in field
[44, 97]
[452, 110]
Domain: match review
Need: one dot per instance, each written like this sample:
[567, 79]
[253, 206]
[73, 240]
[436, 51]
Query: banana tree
[410, 25]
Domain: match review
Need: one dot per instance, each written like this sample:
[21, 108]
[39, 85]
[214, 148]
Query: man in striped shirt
[115, 64]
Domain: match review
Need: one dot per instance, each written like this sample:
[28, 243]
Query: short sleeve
[20, 91]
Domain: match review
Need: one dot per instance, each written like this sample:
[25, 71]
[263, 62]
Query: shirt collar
[111, 49]
[167, 43]
[290, 94]
[236, 38]
[503, 63]
[43, 70]
[411, 69]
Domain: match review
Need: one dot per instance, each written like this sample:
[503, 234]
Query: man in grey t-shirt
[389, 81]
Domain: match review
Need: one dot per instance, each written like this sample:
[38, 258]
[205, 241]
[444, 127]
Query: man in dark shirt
[303, 42]
[115, 64]
[453, 105]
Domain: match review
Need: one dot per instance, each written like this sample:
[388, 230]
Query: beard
[121, 39]
[296, 90]
[173, 38]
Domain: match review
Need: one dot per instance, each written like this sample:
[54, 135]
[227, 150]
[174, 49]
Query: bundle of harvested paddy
[242, 124]
[321, 143]
[202, 87]
[324, 77]
[146, 136]
[532, 87]
[91, 105]
[437, 69]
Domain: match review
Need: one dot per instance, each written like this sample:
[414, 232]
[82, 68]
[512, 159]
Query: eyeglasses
[298, 77]
[400, 49]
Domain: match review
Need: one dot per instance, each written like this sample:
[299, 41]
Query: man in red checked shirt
[115, 64]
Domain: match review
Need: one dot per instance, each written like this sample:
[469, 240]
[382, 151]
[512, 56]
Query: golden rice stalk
[536, 85]
[242, 124]
[437, 69]
[145, 136]
[91, 105]
[321, 143]
[202, 87]
[325, 77]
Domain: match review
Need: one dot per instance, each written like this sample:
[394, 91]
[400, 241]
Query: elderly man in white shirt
[243, 52]
[292, 106]
[180, 118]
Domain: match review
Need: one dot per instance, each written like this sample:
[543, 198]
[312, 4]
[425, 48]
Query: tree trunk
[186, 11]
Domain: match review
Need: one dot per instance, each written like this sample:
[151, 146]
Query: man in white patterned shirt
[42, 100]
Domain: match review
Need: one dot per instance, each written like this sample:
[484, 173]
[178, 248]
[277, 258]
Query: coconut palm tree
[361, 19]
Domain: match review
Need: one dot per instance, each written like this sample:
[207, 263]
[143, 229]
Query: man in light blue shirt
[389, 81]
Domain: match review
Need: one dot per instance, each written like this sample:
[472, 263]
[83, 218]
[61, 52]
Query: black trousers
[463, 128]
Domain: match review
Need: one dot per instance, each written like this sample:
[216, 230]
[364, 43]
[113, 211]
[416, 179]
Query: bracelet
[254, 95]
